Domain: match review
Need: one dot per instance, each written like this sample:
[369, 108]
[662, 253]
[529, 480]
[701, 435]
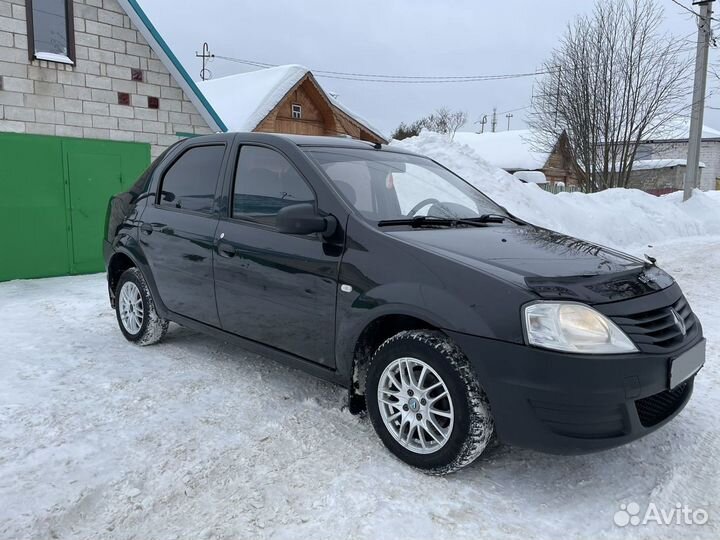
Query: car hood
[551, 264]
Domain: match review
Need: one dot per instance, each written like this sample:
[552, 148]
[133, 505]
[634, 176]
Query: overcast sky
[398, 37]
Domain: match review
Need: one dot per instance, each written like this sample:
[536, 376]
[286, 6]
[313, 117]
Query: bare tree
[445, 121]
[614, 80]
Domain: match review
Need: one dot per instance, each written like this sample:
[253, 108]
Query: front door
[274, 288]
[93, 178]
[178, 229]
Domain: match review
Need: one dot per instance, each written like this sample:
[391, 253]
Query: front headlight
[572, 327]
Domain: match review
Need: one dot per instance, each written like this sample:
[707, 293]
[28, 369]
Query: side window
[191, 181]
[353, 179]
[265, 182]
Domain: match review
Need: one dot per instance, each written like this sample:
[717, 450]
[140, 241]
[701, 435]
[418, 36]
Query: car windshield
[385, 186]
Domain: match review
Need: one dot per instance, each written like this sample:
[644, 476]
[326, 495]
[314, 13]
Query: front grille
[657, 330]
[654, 409]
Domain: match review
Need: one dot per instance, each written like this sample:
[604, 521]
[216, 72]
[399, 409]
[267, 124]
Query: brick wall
[82, 101]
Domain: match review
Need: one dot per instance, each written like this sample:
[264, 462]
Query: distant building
[516, 151]
[660, 176]
[284, 99]
[671, 142]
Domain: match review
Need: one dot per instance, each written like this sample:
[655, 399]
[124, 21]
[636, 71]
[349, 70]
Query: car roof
[309, 140]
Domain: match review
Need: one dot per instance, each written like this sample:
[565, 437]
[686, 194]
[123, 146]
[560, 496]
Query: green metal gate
[53, 196]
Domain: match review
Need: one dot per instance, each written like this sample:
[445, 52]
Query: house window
[123, 98]
[136, 75]
[296, 111]
[153, 103]
[51, 32]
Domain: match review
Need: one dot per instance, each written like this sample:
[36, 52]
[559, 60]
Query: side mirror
[303, 219]
[167, 196]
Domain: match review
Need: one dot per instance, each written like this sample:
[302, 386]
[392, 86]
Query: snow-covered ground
[196, 438]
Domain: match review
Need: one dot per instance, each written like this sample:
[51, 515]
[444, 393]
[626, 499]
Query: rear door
[274, 288]
[178, 229]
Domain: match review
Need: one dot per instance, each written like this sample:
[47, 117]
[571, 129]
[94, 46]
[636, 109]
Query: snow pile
[505, 149]
[615, 217]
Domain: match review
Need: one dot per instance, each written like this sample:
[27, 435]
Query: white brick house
[94, 69]
[89, 94]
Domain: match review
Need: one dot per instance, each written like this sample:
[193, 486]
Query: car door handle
[225, 249]
[148, 228]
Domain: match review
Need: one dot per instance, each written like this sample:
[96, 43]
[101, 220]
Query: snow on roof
[245, 99]
[510, 150]
[647, 164]
[531, 177]
[679, 129]
[361, 120]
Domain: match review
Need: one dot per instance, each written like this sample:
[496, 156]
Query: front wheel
[426, 404]
[135, 310]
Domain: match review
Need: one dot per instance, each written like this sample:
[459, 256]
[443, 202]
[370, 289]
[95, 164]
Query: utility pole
[205, 73]
[557, 97]
[482, 123]
[494, 119]
[508, 116]
[698, 100]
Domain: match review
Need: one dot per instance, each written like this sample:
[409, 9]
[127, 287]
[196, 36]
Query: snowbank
[616, 217]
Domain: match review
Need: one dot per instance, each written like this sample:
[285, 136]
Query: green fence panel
[55, 192]
[33, 226]
[96, 170]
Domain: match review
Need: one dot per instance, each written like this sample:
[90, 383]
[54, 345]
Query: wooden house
[284, 99]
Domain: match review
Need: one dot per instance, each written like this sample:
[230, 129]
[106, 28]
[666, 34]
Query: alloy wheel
[131, 307]
[415, 405]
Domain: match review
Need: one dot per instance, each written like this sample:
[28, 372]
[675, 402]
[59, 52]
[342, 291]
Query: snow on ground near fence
[616, 217]
[197, 438]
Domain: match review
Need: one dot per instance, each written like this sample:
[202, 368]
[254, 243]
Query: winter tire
[135, 310]
[426, 404]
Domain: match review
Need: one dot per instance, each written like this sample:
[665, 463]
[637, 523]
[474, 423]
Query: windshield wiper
[497, 218]
[424, 221]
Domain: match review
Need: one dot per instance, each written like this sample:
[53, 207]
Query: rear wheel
[425, 402]
[135, 310]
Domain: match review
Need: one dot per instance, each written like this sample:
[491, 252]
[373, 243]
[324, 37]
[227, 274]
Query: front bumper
[572, 404]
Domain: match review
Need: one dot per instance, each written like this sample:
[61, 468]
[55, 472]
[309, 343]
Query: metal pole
[698, 101]
[508, 116]
[494, 119]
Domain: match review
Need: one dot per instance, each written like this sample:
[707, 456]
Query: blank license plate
[687, 364]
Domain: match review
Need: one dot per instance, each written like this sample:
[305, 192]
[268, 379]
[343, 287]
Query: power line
[685, 8]
[396, 79]
[419, 79]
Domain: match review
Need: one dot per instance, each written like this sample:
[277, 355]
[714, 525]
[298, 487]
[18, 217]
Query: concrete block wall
[667, 178]
[51, 98]
[709, 155]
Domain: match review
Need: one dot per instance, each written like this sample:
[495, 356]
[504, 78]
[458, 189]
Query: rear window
[190, 182]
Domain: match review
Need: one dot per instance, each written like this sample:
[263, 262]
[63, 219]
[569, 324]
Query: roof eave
[172, 64]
